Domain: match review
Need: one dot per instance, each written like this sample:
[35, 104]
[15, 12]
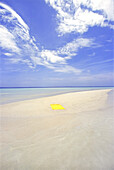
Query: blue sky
[56, 43]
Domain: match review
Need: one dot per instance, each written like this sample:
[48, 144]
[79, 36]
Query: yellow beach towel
[57, 107]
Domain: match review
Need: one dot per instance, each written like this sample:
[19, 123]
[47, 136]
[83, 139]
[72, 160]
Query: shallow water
[9, 95]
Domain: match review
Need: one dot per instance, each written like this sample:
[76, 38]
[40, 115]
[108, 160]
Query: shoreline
[52, 95]
[95, 98]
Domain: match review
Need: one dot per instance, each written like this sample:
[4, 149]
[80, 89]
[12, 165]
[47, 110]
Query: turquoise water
[9, 95]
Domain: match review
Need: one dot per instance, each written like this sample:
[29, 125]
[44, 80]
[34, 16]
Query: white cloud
[79, 15]
[67, 69]
[106, 6]
[14, 15]
[93, 54]
[100, 62]
[72, 48]
[8, 54]
[15, 60]
[17, 26]
[15, 37]
[7, 40]
[52, 57]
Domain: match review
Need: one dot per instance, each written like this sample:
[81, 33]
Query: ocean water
[9, 95]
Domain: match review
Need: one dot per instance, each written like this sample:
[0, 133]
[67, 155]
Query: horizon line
[55, 86]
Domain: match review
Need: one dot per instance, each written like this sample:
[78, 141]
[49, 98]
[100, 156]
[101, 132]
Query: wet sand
[35, 137]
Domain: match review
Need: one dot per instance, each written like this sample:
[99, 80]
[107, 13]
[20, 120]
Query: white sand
[35, 137]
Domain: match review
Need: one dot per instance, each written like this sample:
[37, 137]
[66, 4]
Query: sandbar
[80, 137]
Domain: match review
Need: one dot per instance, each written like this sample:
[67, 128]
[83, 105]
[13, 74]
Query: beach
[79, 137]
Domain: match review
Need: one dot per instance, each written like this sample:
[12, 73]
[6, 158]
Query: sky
[45, 43]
